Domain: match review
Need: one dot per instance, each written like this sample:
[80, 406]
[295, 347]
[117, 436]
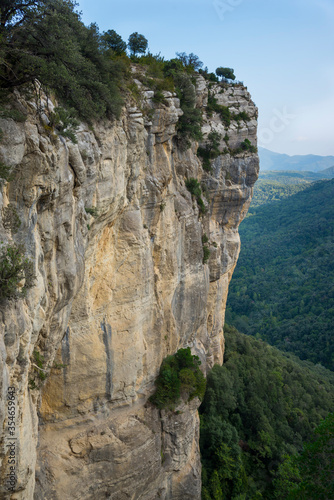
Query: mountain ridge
[270, 160]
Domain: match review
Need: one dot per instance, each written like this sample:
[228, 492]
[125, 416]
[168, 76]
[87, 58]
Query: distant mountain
[328, 173]
[310, 163]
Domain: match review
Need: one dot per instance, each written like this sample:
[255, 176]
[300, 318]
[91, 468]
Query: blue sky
[281, 49]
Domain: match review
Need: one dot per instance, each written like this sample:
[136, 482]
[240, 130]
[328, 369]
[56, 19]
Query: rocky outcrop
[116, 241]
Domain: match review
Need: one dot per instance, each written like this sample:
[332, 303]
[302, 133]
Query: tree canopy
[114, 41]
[46, 40]
[259, 407]
[282, 289]
[190, 60]
[137, 44]
[14, 12]
[227, 73]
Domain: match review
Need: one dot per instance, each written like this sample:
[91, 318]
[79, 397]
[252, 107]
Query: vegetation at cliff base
[179, 375]
[309, 474]
[260, 409]
[283, 287]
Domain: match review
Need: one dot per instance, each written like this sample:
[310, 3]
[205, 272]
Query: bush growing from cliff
[5, 172]
[246, 145]
[206, 254]
[173, 67]
[189, 124]
[211, 150]
[224, 111]
[211, 77]
[154, 64]
[64, 121]
[14, 269]
[195, 189]
[179, 375]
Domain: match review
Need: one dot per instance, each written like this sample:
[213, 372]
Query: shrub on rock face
[15, 270]
[179, 375]
[195, 189]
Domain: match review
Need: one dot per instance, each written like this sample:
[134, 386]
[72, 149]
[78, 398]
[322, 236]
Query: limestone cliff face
[115, 293]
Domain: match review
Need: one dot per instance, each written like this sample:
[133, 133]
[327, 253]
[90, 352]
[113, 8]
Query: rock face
[116, 241]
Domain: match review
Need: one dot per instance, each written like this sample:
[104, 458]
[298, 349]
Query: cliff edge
[130, 266]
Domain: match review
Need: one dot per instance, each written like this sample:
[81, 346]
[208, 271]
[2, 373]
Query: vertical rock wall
[116, 240]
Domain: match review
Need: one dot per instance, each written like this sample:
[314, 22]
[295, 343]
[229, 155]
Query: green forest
[267, 430]
[282, 290]
[259, 409]
[275, 186]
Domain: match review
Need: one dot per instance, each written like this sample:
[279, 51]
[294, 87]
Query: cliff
[116, 241]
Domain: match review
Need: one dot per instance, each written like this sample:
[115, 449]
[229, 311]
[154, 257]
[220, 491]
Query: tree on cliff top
[227, 73]
[190, 61]
[13, 12]
[114, 41]
[137, 44]
[46, 40]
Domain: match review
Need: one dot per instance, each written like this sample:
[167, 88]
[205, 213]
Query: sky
[281, 49]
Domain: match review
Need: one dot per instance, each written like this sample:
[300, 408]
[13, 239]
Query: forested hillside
[259, 409]
[283, 287]
[275, 186]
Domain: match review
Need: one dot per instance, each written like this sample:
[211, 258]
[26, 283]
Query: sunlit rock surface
[116, 240]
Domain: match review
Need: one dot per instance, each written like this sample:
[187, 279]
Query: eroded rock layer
[116, 241]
